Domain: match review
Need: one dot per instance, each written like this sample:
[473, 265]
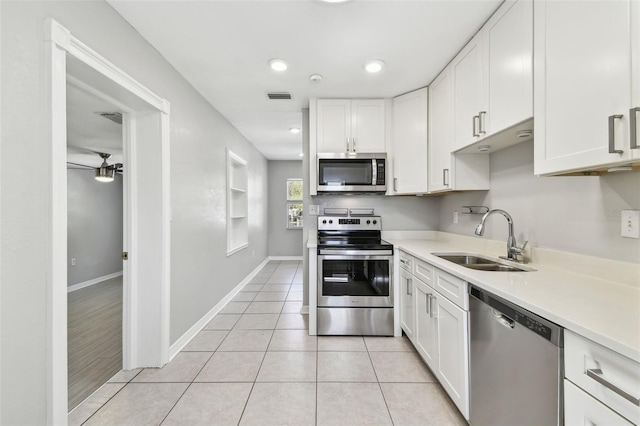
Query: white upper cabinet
[440, 132]
[587, 67]
[492, 74]
[509, 44]
[345, 125]
[447, 171]
[410, 114]
[468, 96]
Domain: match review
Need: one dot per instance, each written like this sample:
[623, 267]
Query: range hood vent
[279, 96]
[116, 117]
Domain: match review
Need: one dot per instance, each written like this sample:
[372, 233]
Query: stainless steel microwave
[352, 172]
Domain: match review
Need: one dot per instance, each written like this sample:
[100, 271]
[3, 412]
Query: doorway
[146, 219]
[94, 243]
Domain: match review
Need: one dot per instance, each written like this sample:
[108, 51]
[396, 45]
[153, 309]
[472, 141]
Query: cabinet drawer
[608, 376]
[580, 409]
[423, 270]
[406, 261]
[453, 288]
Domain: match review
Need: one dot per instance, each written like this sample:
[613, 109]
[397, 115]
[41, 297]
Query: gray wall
[94, 226]
[282, 241]
[579, 214]
[201, 273]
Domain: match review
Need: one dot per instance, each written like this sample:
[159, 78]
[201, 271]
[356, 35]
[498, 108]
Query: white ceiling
[89, 133]
[222, 49]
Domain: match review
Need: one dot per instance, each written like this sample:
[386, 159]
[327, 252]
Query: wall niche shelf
[237, 203]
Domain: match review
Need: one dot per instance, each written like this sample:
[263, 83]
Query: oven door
[355, 280]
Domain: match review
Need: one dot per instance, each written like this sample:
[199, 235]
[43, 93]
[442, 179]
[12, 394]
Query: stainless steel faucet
[513, 251]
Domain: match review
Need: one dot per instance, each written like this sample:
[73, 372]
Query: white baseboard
[198, 326]
[93, 281]
[304, 310]
[285, 258]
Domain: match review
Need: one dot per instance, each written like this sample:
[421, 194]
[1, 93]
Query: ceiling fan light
[105, 173]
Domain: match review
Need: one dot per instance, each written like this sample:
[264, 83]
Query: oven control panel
[349, 223]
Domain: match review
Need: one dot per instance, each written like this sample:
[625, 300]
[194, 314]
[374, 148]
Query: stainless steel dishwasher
[516, 364]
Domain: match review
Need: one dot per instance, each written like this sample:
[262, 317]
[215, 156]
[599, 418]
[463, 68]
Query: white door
[426, 326]
[334, 125]
[441, 132]
[367, 125]
[453, 351]
[407, 320]
[410, 142]
[582, 84]
[509, 42]
[470, 110]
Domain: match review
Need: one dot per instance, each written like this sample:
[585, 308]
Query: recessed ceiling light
[335, 1]
[294, 130]
[484, 148]
[278, 64]
[316, 78]
[374, 66]
[301, 154]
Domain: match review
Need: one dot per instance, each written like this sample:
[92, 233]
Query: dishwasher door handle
[504, 320]
[597, 375]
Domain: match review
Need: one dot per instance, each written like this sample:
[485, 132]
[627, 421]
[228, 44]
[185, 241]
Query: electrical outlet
[630, 224]
[73, 262]
[314, 209]
[455, 217]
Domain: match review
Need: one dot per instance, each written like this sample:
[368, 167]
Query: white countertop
[604, 311]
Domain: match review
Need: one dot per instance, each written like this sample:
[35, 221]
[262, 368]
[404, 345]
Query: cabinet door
[426, 325]
[453, 350]
[581, 408]
[333, 125]
[367, 125]
[410, 142]
[441, 132]
[582, 80]
[407, 309]
[509, 44]
[468, 94]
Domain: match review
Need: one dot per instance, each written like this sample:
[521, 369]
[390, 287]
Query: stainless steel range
[355, 270]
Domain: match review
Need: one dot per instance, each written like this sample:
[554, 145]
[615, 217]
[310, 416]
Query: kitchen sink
[481, 263]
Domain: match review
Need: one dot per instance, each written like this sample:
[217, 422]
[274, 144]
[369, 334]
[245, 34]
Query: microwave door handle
[374, 174]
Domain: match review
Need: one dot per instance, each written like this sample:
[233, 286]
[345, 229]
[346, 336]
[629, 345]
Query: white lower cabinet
[407, 317]
[426, 324]
[452, 335]
[581, 409]
[438, 325]
[609, 380]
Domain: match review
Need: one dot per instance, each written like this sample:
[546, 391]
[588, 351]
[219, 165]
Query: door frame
[146, 281]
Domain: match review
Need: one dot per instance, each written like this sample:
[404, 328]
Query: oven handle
[351, 253]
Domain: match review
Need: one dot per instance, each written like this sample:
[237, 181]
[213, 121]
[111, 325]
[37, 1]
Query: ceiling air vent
[116, 117]
[279, 96]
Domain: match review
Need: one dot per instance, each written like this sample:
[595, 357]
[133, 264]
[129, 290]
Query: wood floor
[94, 337]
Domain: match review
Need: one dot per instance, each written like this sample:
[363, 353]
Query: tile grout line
[109, 399]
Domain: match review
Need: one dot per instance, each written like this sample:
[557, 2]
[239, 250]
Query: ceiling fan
[106, 172]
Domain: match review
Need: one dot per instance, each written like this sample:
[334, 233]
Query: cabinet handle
[475, 122]
[431, 311]
[481, 122]
[395, 184]
[445, 177]
[597, 375]
[428, 297]
[409, 282]
[612, 134]
[353, 144]
[347, 144]
[633, 127]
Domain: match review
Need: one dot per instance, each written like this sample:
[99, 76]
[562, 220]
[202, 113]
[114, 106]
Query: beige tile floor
[255, 364]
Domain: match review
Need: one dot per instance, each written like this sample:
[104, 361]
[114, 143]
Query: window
[294, 203]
